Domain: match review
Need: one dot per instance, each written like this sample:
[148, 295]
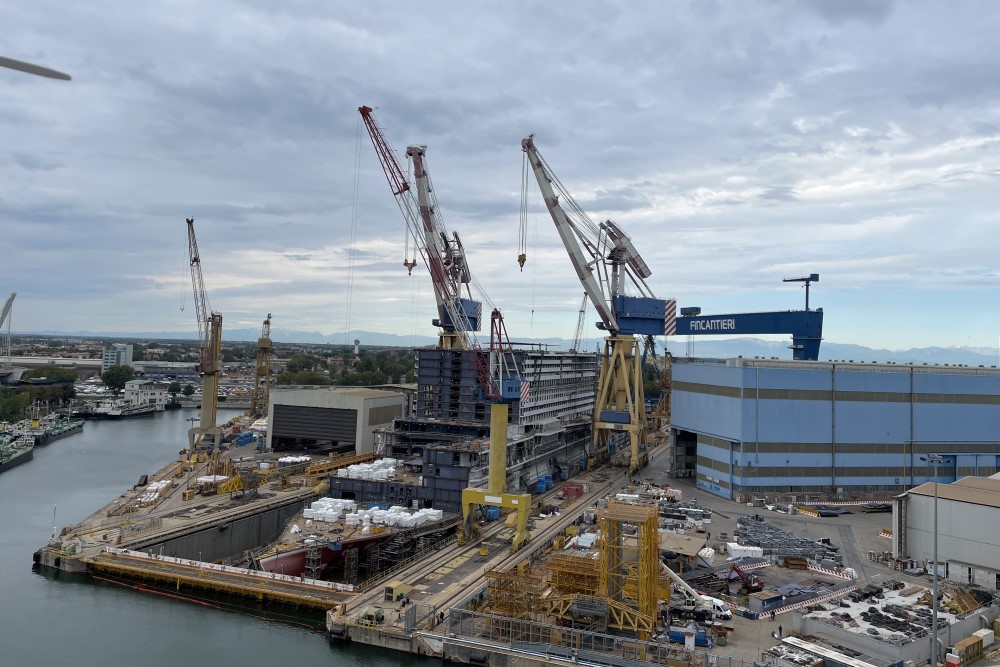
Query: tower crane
[206, 434]
[5, 319]
[458, 313]
[608, 264]
[262, 374]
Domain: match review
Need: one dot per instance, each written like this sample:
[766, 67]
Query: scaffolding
[574, 574]
[513, 595]
[628, 566]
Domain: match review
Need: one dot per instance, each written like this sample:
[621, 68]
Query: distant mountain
[702, 347]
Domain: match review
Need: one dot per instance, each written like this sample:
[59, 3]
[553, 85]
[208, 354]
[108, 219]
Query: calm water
[60, 620]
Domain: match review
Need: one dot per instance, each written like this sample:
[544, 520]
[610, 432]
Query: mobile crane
[207, 434]
[607, 264]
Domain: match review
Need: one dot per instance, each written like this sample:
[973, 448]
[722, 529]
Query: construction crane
[608, 264]
[805, 326]
[5, 319]
[578, 335]
[262, 374]
[459, 314]
[207, 434]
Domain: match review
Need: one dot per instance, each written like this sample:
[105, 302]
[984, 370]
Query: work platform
[181, 573]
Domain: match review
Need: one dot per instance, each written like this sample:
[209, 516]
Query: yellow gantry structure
[496, 491]
[619, 391]
[629, 566]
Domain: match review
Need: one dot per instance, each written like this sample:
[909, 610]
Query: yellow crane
[207, 434]
[262, 375]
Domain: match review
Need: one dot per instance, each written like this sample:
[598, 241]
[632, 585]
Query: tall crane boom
[210, 347]
[262, 375]
[5, 319]
[609, 267]
[459, 315]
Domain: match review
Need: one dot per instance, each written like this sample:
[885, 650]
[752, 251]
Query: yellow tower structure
[629, 564]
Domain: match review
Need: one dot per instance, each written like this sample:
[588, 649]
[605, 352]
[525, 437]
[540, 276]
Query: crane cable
[354, 234]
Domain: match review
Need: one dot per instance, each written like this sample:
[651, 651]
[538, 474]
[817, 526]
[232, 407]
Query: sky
[736, 143]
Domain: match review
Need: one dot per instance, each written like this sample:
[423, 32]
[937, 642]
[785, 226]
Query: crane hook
[521, 259]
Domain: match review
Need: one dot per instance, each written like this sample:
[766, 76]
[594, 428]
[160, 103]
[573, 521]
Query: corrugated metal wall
[308, 423]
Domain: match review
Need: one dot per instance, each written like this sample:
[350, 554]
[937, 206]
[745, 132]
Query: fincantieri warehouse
[800, 430]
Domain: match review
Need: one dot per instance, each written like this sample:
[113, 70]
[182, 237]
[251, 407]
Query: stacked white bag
[329, 509]
[378, 471]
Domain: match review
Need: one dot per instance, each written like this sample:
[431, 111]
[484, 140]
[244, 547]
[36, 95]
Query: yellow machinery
[495, 493]
[206, 435]
[262, 375]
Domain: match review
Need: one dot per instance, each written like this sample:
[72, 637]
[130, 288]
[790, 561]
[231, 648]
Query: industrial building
[447, 442]
[968, 544]
[803, 429]
[141, 392]
[170, 371]
[330, 419]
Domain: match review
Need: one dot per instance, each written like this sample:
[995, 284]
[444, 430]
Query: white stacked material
[627, 497]
[292, 460]
[586, 540]
[328, 509]
[211, 479]
[708, 555]
[153, 493]
[987, 635]
[378, 471]
[736, 551]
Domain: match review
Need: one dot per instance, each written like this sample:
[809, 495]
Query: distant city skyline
[736, 144]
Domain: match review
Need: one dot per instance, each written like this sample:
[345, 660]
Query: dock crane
[207, 434]
[459, 317]
[262, 374]
[5, 319]
[607, 263]
[443, 254]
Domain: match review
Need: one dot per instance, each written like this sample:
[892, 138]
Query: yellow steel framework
[573, 574]
[495, 493]
[262, 375]
[619, 390]
[513, 595]
[628, 567]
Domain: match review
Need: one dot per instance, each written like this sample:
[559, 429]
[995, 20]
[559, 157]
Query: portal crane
[607, 264]
[5, 319]
[206, 434]
[458, 313]
[262, 374]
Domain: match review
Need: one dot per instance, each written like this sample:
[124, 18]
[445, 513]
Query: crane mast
[262, 374]
[207, 434]
[5, 319]
[609, 267]
[459, 315]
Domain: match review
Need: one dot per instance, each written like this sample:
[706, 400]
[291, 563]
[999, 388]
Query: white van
[719, 608]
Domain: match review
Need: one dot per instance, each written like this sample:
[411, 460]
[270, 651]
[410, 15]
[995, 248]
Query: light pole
[934, 459]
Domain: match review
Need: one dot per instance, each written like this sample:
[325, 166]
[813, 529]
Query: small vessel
[15, 450]
[119, 409]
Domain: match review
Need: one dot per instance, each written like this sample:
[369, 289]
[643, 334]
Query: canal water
[58, 620]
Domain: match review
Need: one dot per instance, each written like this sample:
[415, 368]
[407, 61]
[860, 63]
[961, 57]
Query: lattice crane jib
[611, 270]
[207, 433]
[262, 374]
[459, 314]
[5, 319]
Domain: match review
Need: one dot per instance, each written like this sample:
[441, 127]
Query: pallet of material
[796, 563]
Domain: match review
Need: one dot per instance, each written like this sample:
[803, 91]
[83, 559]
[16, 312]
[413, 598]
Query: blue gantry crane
[805, 326]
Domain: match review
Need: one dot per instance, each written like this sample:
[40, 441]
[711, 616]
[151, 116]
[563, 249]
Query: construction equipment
[206, 435]
[749, 582]
[805, 326]
[578, 335]
[5, 319]
[262, 374]
[459, 316]
[607, 264]
[458, 313]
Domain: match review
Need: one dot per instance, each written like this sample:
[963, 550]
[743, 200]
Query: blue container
[492, 513]
[565, 472]
[540, 486]
[583, 463]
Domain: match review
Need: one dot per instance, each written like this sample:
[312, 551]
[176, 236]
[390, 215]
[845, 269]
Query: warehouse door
[297, 427]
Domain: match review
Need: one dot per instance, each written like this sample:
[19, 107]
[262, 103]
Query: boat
[15, 450]
[118, 409]
[44, 430]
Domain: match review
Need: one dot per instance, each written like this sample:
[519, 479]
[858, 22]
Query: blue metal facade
[747, 427]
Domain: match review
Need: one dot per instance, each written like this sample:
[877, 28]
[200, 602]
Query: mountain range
[703, 347]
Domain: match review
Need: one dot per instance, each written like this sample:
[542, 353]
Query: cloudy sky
[737, 143]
